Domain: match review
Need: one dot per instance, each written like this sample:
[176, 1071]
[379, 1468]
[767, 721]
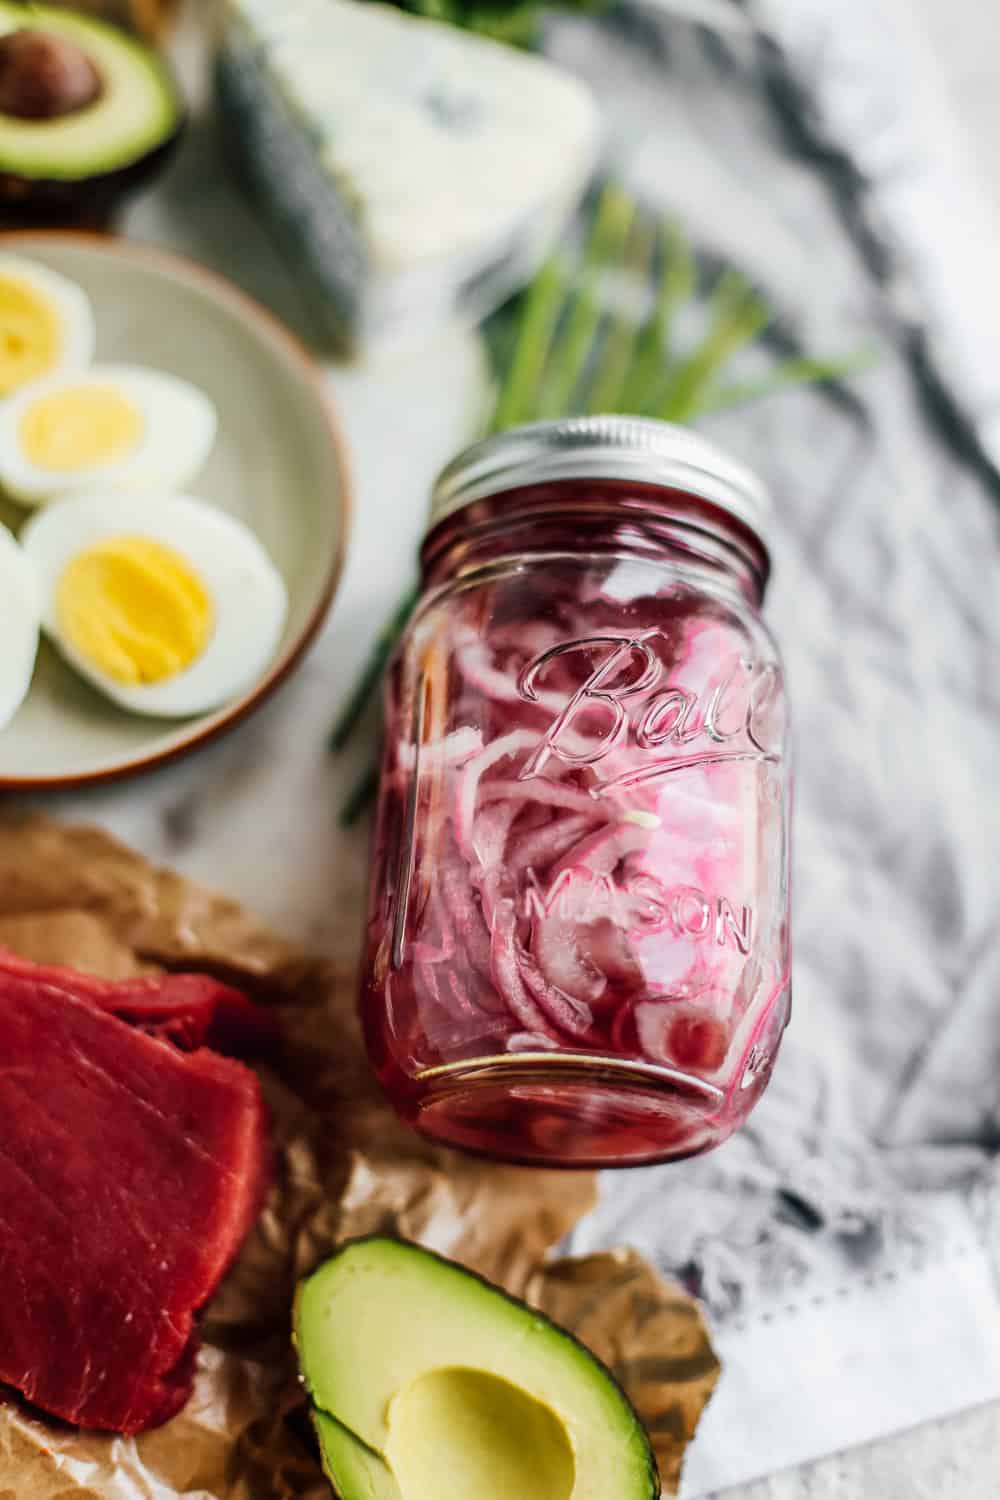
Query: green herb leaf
[618, 356]
[563, 354]
[518, 23]
[538, 325]
[737, 316]
[785, 375]
[371, 673]
[678, 282]
[605, 247]
[360, 797]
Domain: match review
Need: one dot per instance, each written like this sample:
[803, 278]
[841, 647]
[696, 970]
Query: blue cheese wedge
[418, 172]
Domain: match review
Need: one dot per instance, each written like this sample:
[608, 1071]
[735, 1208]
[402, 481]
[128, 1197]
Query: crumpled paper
[150, 18]
[346, 1166]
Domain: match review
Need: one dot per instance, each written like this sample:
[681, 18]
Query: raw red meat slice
[190, 1010]
[130, 1174]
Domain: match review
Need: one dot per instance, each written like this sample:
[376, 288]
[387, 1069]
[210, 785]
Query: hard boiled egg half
[112, 427]
[46, 324]
[19, 621]
[167, 605]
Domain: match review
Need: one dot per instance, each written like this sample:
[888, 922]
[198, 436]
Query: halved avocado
[428, 1383]
[86, 113]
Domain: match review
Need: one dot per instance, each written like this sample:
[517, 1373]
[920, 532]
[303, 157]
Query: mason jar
[578, 930]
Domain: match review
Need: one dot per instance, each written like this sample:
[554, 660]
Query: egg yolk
[134, 609]
[30, 334]
[80, 427]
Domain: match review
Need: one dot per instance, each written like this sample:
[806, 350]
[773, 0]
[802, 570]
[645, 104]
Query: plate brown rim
[276, 333]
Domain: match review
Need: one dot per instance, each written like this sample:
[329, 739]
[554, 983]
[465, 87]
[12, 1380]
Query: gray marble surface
[255, 814]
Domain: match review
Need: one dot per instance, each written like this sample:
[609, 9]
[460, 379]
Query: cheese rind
[419, 171]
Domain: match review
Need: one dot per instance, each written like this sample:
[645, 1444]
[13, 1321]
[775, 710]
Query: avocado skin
[346, 1461]
[28, 202]
[57, 194]
[655, 1491]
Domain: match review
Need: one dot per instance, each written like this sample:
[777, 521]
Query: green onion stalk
[563, 347]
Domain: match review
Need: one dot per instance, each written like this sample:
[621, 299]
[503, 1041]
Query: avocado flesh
[354, 1470]
[428, 1382]
[136, 112]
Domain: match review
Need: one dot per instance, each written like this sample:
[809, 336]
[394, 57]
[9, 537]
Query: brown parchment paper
[150, 18]
[345, 1167]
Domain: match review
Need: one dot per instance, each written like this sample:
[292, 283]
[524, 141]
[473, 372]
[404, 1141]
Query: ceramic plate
[278, 465]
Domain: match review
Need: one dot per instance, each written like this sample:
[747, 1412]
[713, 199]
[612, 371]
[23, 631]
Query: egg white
[71, 305]
[248, 594]
[179, 427]
[20, 616]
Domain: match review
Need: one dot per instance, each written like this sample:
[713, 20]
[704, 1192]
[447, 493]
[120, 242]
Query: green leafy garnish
[678, 284]
[784, 375]
[371, 674]
[598, 331]
[538, 321]
[360, 797]
[516, 22]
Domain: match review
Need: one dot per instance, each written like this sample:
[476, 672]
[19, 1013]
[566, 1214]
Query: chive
[557, 337]
[538, 322]
[737, 318]
[371, 673]
[676, 286]
[360, 797]
[787, 374]
[605, 244]
[607, 391]
[518, 27]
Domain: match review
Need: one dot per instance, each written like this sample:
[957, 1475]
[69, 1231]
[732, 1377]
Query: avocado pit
[44, 76]
[88, 113]
[469, 1434]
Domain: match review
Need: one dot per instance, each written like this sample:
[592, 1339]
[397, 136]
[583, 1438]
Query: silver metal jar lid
[635, 448]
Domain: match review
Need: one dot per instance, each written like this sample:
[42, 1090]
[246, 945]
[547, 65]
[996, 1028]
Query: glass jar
[578, 930]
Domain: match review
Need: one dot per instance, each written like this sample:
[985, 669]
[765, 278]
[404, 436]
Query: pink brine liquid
[578, 948]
